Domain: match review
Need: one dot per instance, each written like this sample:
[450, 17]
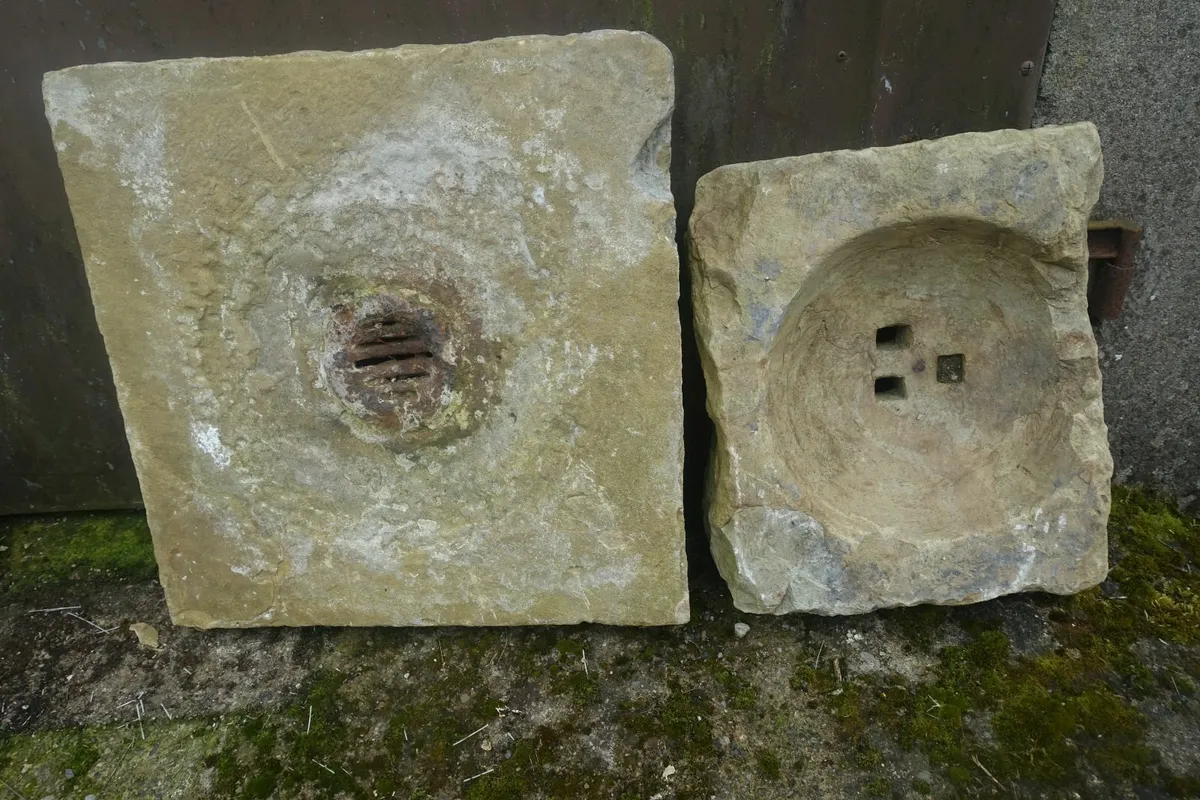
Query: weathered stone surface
[394, 332]
[902, 374]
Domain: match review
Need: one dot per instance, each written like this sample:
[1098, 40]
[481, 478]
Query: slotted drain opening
[893, 337]
[390, 351]
[386, 360]
[890, 387]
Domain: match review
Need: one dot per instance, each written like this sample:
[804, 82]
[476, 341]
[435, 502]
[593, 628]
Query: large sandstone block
[394, 332]
[902, 374]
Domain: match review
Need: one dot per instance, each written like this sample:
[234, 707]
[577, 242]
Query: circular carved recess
[914, 383]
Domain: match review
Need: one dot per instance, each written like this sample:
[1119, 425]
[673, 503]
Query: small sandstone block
[395, 332]
[902, 374]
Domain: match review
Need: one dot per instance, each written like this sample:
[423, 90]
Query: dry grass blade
[11, 789]
[480, 775]
[88, 621]
[985, 771]
[113, 771]
[469, 735]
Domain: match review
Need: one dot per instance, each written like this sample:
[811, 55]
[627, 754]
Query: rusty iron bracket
[1111, 245]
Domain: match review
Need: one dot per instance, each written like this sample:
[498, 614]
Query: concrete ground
[1027, 696]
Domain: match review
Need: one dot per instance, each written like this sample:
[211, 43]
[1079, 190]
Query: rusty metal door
[755, 80]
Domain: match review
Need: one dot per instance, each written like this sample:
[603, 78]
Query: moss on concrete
[769, 764]
[390, 708]
[1154, 551]
[109, 760]
[46, 551]
[991, 721]
[739, 692]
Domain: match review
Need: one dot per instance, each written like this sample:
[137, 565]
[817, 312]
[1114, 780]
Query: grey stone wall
[1133, 68]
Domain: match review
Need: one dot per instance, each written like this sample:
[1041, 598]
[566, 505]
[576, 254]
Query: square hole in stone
[893, 336]
[950, 368]
[890, 387]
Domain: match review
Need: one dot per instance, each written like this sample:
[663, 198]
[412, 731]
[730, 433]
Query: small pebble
[740, 629]
[485, 745]
[668, 772]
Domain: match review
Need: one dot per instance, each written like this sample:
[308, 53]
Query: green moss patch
[1155, 589]
[992, 721]
[769, 764]
[108, 761]
[47, 551]
[592, 712]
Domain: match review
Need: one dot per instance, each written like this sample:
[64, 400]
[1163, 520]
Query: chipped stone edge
[185, 64]
[812, 585]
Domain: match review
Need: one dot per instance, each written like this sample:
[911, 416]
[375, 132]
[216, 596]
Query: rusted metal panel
[755, 80]
[1111, 248]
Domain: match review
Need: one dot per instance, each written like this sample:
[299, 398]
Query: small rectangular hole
[893, 336]
[950, 368]
[890, 387]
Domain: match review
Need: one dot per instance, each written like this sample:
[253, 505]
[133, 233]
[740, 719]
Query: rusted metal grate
[390, 351]
[387, 363]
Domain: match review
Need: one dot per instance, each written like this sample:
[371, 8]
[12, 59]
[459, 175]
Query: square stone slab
[902, 373]
[394, 332]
